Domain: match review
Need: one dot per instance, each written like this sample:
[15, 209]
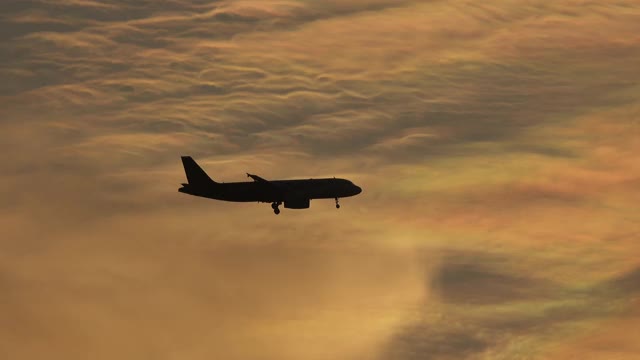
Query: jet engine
[297, 204]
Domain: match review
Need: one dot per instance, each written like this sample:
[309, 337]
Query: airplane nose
[358, 189]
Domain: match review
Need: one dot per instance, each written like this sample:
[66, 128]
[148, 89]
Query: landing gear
[274, 206]
[337, 205]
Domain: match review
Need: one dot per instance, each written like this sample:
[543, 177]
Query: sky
[496, 144]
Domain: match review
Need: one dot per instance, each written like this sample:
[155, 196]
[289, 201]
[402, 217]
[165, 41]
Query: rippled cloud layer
[496, 144]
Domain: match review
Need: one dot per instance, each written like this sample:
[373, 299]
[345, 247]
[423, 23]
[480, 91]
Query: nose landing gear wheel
[337, 205]
[276, 211]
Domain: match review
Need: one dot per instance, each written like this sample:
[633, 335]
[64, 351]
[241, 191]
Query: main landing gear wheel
[337, 205]
[274, 206]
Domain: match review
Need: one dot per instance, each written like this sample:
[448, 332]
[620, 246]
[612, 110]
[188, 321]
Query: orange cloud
[496, 144]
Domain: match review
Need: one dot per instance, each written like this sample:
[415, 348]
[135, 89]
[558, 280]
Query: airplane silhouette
[294, 194]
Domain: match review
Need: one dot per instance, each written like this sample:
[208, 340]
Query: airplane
[293, 194]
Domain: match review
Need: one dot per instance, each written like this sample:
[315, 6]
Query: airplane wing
[268, 184]
[257, 178]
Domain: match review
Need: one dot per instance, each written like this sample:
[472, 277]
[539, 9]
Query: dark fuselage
[275, 190]
[293, 194]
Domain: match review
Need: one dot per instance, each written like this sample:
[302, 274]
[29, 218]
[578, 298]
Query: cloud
[487, 307]
[460, 282]
[500, 136]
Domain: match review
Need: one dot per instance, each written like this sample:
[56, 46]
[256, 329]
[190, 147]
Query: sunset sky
[497, 144]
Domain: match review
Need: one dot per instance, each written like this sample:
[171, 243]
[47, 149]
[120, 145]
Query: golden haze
[496, 144]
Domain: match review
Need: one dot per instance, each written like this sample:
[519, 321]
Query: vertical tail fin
[195, 175]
